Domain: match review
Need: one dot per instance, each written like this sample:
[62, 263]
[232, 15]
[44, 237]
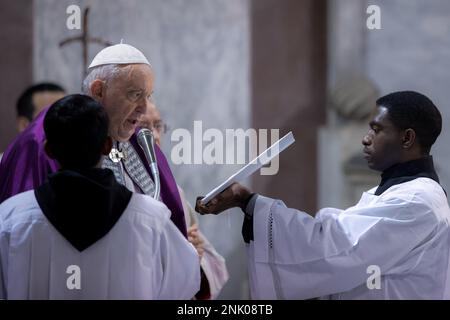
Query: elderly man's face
[126, 98]
[383, 142]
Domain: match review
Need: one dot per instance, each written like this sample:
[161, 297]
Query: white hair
[104, 72]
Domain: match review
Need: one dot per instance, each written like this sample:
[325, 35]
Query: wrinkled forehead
[135, 76]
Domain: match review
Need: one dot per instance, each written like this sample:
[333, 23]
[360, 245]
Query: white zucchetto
[119, 54]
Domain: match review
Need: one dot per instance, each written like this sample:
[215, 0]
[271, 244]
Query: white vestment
[143, 256]
[403, 233]
[212, 263]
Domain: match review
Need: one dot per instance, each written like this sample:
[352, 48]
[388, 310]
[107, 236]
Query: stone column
[16, 32]
[288, 72]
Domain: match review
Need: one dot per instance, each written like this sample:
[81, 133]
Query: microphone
[147, 142]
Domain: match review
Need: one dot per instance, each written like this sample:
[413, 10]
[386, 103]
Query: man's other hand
[196, 239]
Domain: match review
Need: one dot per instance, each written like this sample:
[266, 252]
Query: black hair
[25, 107]
[76, 128]
[412, 110]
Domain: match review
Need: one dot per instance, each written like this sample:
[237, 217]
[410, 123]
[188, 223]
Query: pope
[121, 79]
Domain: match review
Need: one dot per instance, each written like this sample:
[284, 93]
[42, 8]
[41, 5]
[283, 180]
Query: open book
[264, 158]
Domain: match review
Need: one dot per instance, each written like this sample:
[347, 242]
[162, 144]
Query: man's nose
[142, 106]
[366, 140]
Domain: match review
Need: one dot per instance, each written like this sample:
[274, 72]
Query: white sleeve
[214, 267]
[4, 245]
[212, 263]
[296, 256]
[181, 266]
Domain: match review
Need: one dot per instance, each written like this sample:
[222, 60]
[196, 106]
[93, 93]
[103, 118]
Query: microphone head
[145, 134]
[147, 143]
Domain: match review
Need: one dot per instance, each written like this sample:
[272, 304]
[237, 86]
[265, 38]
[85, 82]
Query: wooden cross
[85, 39]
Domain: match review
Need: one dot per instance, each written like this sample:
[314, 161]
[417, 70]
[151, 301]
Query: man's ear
[22, 123]
[48, 151]
[97, 89]
[409, 138]
[107, 146]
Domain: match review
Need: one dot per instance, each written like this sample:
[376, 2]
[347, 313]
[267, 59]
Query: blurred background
[308, 66]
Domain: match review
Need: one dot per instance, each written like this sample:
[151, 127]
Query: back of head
[25, 107]
[412, 110]
[76, 128]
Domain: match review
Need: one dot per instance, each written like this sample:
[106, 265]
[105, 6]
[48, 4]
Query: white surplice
[212, 263]
[404, 233]
[143, 256]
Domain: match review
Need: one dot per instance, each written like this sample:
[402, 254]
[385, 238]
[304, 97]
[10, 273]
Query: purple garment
[169, 190]
[25, 166]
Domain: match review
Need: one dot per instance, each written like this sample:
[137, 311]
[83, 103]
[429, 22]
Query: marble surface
[199, 52]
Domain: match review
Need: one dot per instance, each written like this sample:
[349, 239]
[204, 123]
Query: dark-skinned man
[393, 244]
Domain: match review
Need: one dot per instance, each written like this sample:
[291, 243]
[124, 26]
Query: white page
[253, 166]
